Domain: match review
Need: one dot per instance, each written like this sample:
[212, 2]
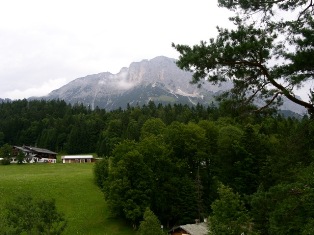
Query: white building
[77, 158]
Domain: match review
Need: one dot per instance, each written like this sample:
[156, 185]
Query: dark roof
[40, 150]
[30, 149]
[22, 149]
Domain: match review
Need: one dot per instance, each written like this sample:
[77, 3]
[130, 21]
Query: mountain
[6, 100]
[158, 80]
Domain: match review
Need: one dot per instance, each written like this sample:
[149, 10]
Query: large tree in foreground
[268, 54]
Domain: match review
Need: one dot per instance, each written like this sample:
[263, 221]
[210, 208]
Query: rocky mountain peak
[158, 79]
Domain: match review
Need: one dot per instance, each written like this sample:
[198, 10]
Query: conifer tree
[268, 54]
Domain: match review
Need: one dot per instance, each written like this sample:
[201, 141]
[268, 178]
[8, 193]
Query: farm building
[34, 154]
[190, 229]
[77, 159]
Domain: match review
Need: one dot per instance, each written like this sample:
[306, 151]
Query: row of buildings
[40, 155]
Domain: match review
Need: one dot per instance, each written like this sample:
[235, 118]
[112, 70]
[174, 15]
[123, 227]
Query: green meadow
[72, 186]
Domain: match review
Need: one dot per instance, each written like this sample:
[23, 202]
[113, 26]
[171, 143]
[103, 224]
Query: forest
[248, 169]
[182, 162]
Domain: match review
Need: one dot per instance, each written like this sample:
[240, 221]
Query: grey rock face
[159, 80]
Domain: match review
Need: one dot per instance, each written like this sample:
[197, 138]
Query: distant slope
[158, 79]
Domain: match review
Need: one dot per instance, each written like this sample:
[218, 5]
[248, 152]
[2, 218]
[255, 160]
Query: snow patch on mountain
[158, 79]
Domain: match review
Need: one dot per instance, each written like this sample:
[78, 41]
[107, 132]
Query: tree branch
[286, 93]
[283, 90]
[269, 103]
[309, 6]
[255, 93]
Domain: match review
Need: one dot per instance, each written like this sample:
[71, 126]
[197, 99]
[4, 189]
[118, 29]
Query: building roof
[194, 229]
[39, 150]
[77, 157]
[30, 149]
[22, 149]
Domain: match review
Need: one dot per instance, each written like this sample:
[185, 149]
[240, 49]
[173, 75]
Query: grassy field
[74, 190]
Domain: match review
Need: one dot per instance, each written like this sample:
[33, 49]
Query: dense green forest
[184, 163]
[248, 169]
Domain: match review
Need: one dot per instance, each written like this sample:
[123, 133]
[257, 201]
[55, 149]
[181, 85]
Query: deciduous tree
[229, 215]
[27, 215]
[6, 154]
[150, 224]
[128, 187]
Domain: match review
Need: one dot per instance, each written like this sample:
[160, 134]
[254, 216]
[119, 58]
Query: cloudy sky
[46, 44]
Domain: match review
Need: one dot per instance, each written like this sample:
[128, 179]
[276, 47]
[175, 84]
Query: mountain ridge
[158, 80]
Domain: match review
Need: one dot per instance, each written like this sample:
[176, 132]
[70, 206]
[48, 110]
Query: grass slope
[74, 190]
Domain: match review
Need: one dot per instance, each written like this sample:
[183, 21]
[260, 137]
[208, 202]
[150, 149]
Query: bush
[150, 224]
[5, 161]
[25, 214]
[101, 172]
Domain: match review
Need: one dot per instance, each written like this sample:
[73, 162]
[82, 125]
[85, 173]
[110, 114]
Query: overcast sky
[46, 44]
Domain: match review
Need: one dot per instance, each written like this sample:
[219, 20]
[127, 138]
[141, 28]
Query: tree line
[184, 163]
[62, 127]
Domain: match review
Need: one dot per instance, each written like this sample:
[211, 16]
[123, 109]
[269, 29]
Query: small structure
[77, 159]
[34, 154]
[190, 229]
